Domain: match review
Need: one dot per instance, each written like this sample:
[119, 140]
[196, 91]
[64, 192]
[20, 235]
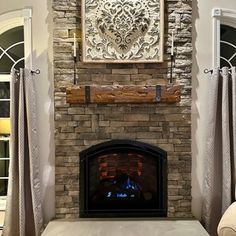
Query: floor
[125, 228]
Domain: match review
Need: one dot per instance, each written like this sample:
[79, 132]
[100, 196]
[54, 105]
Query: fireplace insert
[123, 178]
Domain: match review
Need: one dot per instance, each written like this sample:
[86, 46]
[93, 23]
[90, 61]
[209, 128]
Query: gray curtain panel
[220, 149]
[23, 211]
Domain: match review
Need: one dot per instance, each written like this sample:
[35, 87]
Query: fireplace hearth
[123, 178]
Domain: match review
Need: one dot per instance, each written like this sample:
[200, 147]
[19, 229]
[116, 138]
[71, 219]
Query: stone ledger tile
[77, 127]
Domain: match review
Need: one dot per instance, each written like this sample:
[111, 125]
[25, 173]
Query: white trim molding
[220, 16]
[5, 78]
[17, 18]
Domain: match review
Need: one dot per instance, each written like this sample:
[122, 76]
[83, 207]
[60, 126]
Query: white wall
[202, 58]
[42, 59]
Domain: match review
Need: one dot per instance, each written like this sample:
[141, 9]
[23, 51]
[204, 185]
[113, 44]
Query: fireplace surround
[80, 126]
[123, 178]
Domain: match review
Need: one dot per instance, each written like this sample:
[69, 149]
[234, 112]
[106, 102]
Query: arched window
[12, 49]
[227, 46]
[224, 23]
[15, 52]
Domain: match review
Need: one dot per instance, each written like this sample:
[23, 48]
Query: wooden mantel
[123, 94]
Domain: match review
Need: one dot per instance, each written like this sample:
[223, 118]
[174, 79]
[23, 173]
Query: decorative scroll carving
[122, 30]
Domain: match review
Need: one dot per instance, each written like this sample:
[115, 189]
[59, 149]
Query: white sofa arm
[227, 225]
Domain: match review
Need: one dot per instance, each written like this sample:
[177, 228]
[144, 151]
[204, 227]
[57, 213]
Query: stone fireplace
[78, 127]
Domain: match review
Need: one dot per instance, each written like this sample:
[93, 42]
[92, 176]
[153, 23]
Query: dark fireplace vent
[123, 178]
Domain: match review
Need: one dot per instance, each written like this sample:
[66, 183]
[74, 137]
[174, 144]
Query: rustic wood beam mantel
[123, 94]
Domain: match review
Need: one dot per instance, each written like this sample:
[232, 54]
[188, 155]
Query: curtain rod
[37, 71]
[206, 71]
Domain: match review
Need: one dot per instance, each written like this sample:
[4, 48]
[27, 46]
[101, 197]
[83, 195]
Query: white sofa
[227, 225]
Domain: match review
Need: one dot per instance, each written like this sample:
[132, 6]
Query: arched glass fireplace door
[123, 178]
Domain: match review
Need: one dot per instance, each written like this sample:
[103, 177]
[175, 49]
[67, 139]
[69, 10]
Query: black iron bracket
[158, 93]
[87, 94]
[75, 82]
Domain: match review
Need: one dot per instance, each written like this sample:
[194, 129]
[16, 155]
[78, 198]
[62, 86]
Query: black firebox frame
[129, 145]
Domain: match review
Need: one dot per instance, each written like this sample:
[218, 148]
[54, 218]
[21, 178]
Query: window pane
[227, 46]
[226, 50]
[20, 64]
[233, 61]
[3, 187]
[17, 52]
[4, 167]
[4, 109]
[11, 37]
[224, 63]
[4, 149]
[4, 90]
[11, 48]
[5, 64]
[227, 33]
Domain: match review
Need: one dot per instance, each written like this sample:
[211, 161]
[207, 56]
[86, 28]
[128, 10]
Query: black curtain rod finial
[37, 72]
[206, 71]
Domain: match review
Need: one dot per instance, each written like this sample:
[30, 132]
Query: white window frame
[8, 21]
[220, 16]
[4, 198]
[14, 19]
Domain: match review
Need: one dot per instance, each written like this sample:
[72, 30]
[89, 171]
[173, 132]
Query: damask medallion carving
[122, 30]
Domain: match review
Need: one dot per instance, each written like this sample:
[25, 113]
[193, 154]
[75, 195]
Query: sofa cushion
[227, 225]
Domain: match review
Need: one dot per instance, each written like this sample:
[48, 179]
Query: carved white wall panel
[122, 30]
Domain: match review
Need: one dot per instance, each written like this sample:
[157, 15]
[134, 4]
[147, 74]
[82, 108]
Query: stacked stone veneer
[77, 127]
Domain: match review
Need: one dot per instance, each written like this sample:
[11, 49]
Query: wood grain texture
[123, 94]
